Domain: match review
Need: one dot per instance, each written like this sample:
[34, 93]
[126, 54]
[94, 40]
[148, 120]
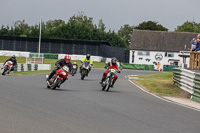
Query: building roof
[161, 40]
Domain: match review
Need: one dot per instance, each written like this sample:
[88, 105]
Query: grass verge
[160, 84]
[31, 72]
[51, 61]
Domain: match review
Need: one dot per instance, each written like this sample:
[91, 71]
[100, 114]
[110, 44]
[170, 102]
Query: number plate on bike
[112, 70]
[66, 68]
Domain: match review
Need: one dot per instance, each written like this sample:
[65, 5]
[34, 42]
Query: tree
[188, 27]
[125, 32]
[101, 25]
[151, 25]
[21, 28]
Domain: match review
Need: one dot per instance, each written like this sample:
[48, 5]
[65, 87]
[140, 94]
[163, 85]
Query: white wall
[16, 53]
[80, 57]
[164, 61]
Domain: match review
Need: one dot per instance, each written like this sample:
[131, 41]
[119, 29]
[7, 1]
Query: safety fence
[188, 81]
[136, 66]
[60, 46]
[30, 67]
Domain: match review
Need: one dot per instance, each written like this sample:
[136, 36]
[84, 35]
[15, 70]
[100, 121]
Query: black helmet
[13, 57]
[88, 56]
[114, 60]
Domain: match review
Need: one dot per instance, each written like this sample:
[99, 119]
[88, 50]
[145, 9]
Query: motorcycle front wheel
[56, 84]
[83, 74]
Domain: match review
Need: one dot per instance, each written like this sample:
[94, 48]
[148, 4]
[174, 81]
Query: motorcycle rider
[75, 64]
[87, 58]
[59, 64]
[13, 60]
[108, 66]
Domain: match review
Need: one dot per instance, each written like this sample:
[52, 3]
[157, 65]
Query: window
[168, 54]
[133, 56]
[144, 53]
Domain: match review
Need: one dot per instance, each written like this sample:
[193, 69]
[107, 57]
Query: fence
[188, 81]
[195, 60]
[58, 46]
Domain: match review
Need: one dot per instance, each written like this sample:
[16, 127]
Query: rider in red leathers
[111, 65]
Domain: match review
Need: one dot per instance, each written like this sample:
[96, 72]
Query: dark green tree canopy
[151, 25]
[188, 27]
[79, 27]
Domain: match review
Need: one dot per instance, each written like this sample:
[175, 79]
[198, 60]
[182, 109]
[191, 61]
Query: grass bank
[50, 61]
[160, 84]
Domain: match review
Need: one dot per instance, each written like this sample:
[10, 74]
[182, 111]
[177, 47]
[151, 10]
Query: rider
[75, 64]
[59, 64]
[108, 66]
[13, 60]
[87, 58]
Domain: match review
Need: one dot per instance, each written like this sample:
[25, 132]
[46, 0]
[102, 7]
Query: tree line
[81, 27]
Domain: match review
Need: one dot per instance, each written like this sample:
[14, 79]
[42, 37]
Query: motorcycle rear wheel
[56, 84]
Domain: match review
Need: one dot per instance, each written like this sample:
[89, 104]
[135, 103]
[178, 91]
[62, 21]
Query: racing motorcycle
[109, 79]
[7, 67]
[58, 77]
[85, 69]
[74, 70]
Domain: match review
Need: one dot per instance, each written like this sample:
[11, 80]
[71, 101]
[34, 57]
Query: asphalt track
[27, 106]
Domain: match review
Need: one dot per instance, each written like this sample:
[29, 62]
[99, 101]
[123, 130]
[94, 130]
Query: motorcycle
[7, 67]
[74, 70]
[85, 69]
[109, 79]
[58, 77]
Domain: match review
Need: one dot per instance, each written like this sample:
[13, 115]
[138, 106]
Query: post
[40, 36]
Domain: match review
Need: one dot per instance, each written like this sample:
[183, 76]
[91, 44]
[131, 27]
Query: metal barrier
[189, 81]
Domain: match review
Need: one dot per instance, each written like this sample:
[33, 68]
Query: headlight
[63, 73]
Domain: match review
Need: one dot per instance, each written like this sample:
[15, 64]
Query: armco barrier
[30, 67]
[188, 81]
[136, 66]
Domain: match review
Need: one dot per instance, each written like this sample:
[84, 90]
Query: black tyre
[83, 74]
[109, 84]
[4, 72]
[56, 84]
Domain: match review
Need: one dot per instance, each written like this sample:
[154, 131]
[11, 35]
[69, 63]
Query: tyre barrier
[30, 67]
[188, 81]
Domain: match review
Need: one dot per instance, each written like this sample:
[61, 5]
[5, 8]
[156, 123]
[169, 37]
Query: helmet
[114, 60]
[74, 63]
[88, 56]
[67, 57]
[13, 57]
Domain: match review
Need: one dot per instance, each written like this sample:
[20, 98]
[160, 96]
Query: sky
[115, 13]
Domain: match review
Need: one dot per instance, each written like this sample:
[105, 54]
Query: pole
[40, 36]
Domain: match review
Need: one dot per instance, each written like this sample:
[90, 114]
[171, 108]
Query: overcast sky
[115, 13]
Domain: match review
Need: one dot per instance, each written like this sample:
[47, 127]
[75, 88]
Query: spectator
[198, 36]
[158, 66]
[193, 44]
[197, 45]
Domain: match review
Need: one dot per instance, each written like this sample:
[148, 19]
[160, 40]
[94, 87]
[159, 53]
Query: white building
[151, 47]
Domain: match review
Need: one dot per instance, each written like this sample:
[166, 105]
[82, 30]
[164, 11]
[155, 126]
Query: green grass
[161, 83]
[19, 59]
[50, 61]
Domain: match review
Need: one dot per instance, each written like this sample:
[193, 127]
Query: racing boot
[112, 84]
[102, 81]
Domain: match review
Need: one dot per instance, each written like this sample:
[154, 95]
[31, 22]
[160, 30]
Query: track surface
[27, 106]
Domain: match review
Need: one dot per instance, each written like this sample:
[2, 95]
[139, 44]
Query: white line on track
[162, 97]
